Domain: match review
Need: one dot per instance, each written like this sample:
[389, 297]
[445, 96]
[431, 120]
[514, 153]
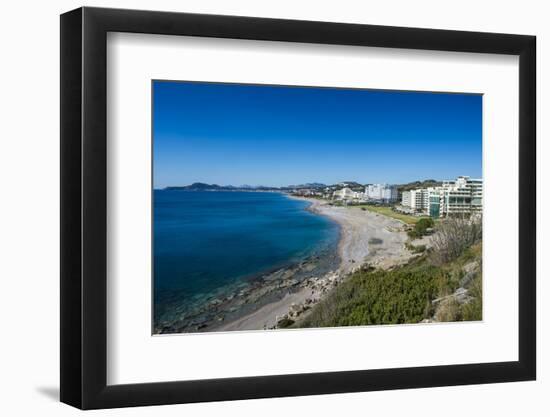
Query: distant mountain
[308, 185]
[355, 186]
[201, 186]
[418, 184]
[196, 186]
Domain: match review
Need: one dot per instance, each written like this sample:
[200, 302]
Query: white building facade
[347, 194]
[381, 192]
[419, 199]
[416, 200]
[460, 197]
[464, 196]
[406, 199]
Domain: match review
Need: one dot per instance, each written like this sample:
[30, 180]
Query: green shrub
[400, 295]
[421, 227]
[378, 297]
[423, 224]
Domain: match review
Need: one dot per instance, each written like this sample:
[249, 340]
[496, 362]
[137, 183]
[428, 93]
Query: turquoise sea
[207, 242]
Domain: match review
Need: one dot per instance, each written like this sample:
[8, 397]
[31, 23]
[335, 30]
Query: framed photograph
[258, 208]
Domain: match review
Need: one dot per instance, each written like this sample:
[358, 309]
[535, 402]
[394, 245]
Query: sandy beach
[366, 237]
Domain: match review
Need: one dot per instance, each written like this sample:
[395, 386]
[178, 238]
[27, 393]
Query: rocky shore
[366, 238]
[280, 297]
[213, 312]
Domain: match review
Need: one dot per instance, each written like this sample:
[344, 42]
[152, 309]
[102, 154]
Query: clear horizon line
[313, 182]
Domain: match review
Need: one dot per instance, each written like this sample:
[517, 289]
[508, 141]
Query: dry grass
[448, 310]
[453, 237]
[474, 309]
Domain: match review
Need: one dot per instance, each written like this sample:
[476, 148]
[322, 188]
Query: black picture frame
[84, 207]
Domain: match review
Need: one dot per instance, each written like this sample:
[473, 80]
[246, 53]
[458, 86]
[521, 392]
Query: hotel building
[463, 196]
[347, 194]
[381, 192]
[406, 199]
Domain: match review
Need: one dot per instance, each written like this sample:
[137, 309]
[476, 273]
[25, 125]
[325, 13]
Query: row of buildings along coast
[382, 193]
[463, 196]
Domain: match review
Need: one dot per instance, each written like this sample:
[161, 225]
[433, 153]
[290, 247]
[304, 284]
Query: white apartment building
[463, 196]
[347, 194]
[344, 194]
[381, 192]
[417, 199]
[406, 199]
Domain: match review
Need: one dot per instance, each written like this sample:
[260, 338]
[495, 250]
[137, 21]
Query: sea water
[205, 241]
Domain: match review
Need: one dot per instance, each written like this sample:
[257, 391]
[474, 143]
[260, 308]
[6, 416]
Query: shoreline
[289, 292]
[207, 312]
[357, 228]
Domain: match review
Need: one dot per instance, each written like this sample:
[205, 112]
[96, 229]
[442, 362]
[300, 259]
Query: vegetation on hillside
[421, 227]
[378, 297]
[415, 248]
[473, 310]
[418, 184]
[423, 289]
[453, 237]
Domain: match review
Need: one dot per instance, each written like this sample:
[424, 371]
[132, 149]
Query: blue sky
[273, 135]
